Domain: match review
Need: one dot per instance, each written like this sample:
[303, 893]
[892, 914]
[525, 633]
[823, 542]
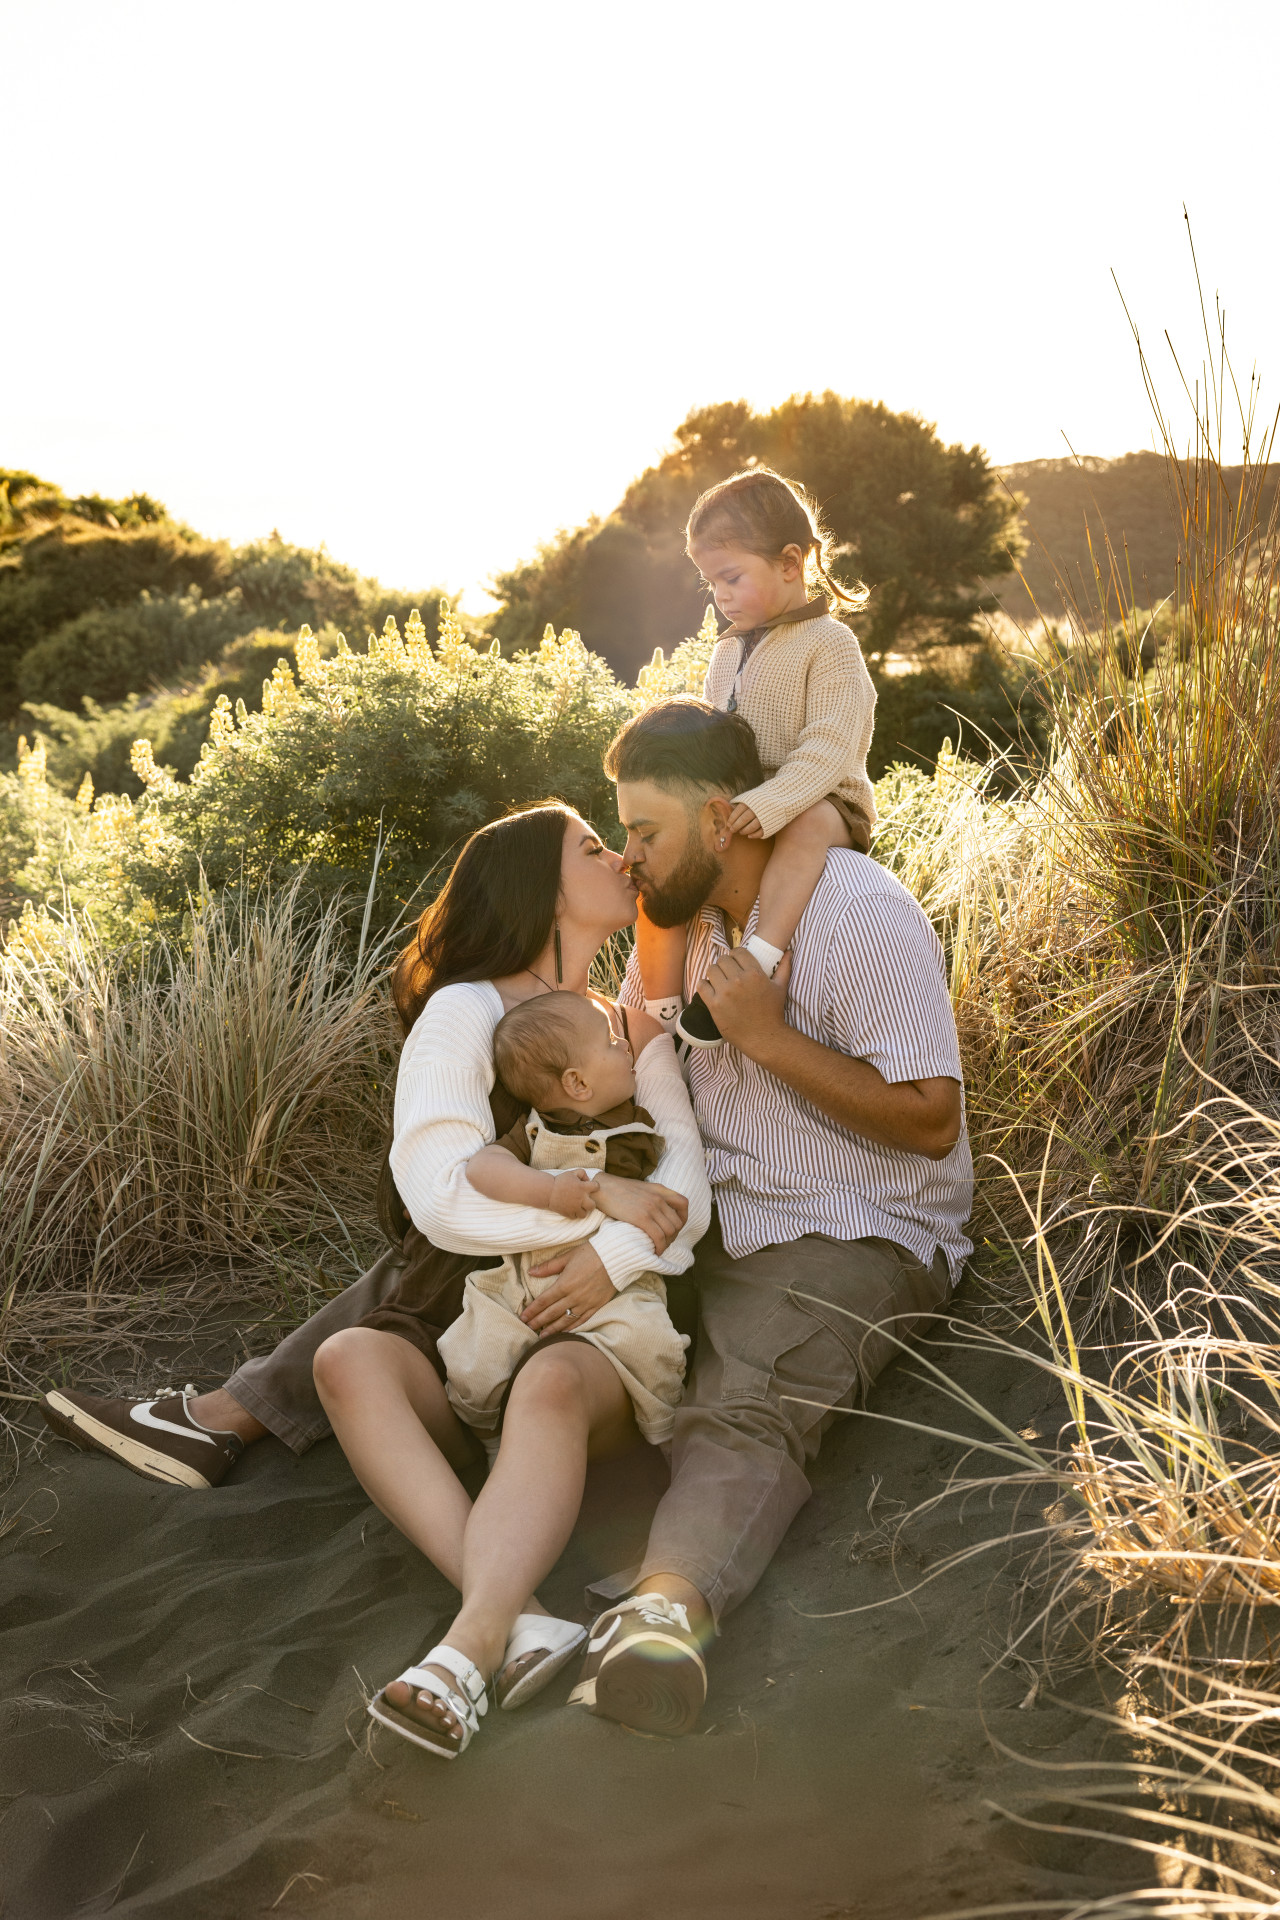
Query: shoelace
[657, 1611]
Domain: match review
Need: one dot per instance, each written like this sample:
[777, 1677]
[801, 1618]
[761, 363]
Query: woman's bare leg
[387, 1406]
[566, 1406]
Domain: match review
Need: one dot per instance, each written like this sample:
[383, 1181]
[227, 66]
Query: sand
[845, 1766]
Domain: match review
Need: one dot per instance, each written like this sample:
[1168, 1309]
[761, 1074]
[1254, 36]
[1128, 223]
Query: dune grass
[1113, 933]
[184, 1118]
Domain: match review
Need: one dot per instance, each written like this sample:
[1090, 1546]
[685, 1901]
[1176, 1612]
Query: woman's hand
[657, 1210]
[583, 1287]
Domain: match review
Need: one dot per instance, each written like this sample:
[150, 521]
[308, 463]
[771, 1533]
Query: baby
[560, 1053]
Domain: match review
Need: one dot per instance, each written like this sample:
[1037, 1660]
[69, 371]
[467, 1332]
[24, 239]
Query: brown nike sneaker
[644, 1667]
[157, 1438]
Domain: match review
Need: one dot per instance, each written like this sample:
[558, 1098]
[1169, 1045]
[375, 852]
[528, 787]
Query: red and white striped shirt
[867, 980]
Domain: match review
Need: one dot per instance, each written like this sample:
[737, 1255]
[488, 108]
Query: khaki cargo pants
[786, 1337]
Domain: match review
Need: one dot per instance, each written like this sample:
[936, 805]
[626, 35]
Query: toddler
[797, 675]
[560, 1053]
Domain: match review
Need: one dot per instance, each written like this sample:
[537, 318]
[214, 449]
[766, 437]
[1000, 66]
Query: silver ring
[568, 1313]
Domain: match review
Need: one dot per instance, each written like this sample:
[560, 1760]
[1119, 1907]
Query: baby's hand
[743, 821]
[573, 1194]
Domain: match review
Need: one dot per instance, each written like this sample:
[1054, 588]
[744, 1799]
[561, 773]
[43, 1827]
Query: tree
[923, 524]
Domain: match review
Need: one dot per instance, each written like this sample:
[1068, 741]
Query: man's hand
[583, 1287]
[657, 1210]
[743, 821]
[745, 1004]
[573, 1194]
[913, 1116]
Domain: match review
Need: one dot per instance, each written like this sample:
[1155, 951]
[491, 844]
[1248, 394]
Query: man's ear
[718, 810]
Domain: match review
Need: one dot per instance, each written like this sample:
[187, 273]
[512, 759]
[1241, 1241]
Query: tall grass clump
[1113, 932]
[208, 1104]
[1113, 919]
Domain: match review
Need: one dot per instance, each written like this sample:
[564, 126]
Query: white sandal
[466, 1706]
[556, 1640]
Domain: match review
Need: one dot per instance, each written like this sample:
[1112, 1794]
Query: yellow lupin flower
[417, 644]
[454, 651]
[707, 635]
[651, 682]
[307, 653]
[143, 761]
[84, 793]
[32, 764]
[221, 727]
[278, 691]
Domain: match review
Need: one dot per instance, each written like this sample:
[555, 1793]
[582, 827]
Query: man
[833, 1120]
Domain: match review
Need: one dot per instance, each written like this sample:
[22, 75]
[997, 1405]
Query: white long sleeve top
[442, 1118]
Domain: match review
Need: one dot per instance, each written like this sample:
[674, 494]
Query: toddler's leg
[794, 870]
[661, 952]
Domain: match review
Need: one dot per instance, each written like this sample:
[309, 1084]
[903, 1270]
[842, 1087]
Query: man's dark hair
[684, 743]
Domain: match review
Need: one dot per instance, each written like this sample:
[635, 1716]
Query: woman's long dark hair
[492, 917]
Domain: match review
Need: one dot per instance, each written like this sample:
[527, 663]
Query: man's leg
[195, 1440]
[276, 1392]
[787, 1336]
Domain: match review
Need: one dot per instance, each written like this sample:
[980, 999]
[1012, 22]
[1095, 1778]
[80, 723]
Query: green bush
[98, 740]
[39, 827]
[57, 575]
[26, 501]
[102, 598]
[979, 697]
[109, 651]
[404, 745]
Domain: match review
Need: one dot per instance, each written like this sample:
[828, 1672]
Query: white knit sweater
[442, 1117]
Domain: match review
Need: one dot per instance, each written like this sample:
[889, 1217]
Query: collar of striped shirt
[868, 980]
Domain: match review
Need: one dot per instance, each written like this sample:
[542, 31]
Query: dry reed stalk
[182, 1109]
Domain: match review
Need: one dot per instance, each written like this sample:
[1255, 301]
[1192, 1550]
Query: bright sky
[427, 281]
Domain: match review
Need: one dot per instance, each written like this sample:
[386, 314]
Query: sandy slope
[842, 1768]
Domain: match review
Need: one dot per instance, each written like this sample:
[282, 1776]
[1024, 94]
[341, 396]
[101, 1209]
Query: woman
[528, 905]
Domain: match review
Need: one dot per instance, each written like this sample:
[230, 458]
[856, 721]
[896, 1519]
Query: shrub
[57, 575]
[37, 827]
[402, 747]
[110, 651]
[99, 740]
[980, 696]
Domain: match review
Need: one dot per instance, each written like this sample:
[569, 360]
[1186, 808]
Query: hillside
[1067, 499]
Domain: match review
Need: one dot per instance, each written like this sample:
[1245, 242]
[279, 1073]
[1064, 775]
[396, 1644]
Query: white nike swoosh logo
[594, 1646]
[145, 1418]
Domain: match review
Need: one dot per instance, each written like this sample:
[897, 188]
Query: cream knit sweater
[442, 1117]
[808, 696]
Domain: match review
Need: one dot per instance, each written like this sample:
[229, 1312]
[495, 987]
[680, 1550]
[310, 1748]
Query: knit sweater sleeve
[627, 1251]
[720, 670]
[442, 1118]
[839, 697]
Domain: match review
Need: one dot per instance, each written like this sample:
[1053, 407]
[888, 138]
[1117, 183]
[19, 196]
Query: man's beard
[686, 890]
